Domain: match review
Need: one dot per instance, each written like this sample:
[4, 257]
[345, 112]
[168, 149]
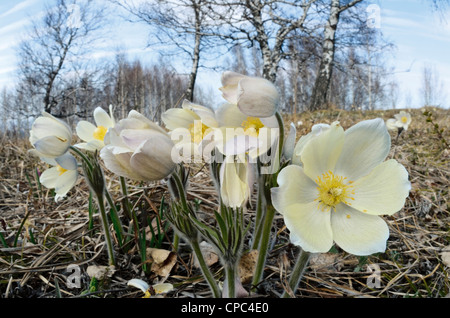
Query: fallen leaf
[162, 261]
[247, 266]
[445, 255]
[100, 272]
[209, 255]
[323, 262]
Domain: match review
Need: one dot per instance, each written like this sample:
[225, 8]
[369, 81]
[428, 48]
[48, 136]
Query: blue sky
[420, 35]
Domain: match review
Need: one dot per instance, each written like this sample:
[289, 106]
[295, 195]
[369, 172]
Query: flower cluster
[331, 186]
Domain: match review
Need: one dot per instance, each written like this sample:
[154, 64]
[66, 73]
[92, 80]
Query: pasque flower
[402, 120]
[188, 127]
[94, 135]
[62, 176]
[236, 178]
[341, 189]
[50, 136]
[138, 149]
[254, 96]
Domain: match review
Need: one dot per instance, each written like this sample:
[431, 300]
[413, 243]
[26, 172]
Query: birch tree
[322, 83]
[179, 27]
[269, 24]
[53, 46]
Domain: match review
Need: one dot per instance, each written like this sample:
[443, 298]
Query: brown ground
[55, 235]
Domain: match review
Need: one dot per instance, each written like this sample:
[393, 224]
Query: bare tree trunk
[319, 98]
[196, 53]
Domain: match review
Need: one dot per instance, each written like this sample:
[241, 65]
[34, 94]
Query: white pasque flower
[50, 136]
[62, 176]
[138, 149]
[341, 189]
[254, 96]
[403, 119]
[188, 128]
[148, 290]
[236, 178]
[94, 135]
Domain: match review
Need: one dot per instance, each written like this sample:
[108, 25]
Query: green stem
[281, 140]
[126, 203]
[260, 207]
[297, 272]
[181, 191]
[205, 269]
[82, 155]
[263, 246]
[104, 220]
[115, 217]
[230, 276]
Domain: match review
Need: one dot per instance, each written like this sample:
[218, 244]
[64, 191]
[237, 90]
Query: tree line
[320, 53]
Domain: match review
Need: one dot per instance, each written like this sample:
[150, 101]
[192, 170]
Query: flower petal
[85, 130]
[358, 233]
[52, 146]
[316, 130]
[152, 159]
[230, 82]
[383, 191]
[118, 162]
[366, 145]
[178, 118]
[234, 186]
[309, 227]
[49, 177]
[229, 115]
[294, 187]
[257, 97]
[102, 118]
[65, 182]
[67, 161]
[321, 153]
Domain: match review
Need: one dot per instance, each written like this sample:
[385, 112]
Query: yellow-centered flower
[341, 188]
[94, 135]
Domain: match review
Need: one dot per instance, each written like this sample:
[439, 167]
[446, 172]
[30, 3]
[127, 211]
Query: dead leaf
[209, 255]
[247, 266]
[100, 272]
[446, 256]
[162, 261]
[324, 262]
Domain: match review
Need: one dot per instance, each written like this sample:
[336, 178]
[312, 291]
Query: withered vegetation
[41, 238]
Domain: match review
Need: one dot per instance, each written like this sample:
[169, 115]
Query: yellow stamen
[252, 125]
[60, 169]
[333, 189]
[198, 131]
[100, 132]
[404, 119]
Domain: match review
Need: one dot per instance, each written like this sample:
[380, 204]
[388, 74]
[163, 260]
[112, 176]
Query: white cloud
[18, 7]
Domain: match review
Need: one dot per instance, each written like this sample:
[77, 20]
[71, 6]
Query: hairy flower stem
[297, 272]
[104, 220]
[205, 269]
[194, 241]
[230, 280]
[263, 246]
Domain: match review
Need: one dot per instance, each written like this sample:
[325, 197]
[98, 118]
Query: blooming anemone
[188, 127]
[50, 136]
[138, 149]
[94, 135]
[62, 176]
[341, 189]
[403, 119]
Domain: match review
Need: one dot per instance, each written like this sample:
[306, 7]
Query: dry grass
[55, 235]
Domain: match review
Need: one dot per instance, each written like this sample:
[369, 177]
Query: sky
[420, 34]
